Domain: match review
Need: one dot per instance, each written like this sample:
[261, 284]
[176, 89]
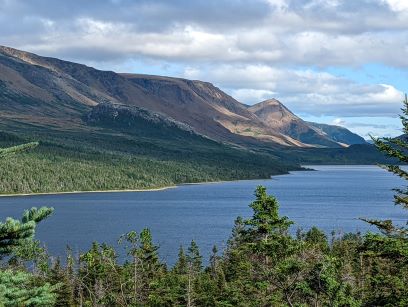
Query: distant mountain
[275, 115]
[48, 90]
[56, 94]
[208, 110]
[339, 134]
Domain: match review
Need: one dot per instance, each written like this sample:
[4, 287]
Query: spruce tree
[266, 220]
[396, 148]
[387, 254]
[194, 257]
[181, 266]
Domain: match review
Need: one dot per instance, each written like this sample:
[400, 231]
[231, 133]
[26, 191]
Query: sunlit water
[332, 198]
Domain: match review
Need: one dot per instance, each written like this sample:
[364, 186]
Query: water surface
[332, 198]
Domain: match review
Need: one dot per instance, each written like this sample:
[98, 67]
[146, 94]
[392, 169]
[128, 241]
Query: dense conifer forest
[61, 164]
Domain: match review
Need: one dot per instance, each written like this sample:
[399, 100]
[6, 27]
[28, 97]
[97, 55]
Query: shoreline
[143, 190]
[132, 190]
[88, 192]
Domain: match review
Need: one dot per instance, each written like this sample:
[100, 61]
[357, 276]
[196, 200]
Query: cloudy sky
[331, 61]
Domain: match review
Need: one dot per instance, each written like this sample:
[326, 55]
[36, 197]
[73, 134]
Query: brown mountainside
[275, 115]
[48, 91]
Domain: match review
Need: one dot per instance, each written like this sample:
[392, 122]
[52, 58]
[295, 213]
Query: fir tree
[396, 148]
[181, 266]
[266, 220]
[387, 254]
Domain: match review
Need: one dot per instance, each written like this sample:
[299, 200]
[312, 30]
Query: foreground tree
[396, 148]
[387, 254]
[19, 287]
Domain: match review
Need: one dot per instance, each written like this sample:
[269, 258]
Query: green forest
[60, 164]
[262, 265]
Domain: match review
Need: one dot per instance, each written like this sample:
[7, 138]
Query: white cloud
[314, 32]
[338, 122]
[256, 49]
[397, 5]
[252, 95]
[304, 91]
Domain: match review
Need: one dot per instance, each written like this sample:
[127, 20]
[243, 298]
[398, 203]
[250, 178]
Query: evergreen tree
[396, 148]
[64, 293]
[266, 220]
[181, 266]
[19, 288]
[387, 254]
[194, 257]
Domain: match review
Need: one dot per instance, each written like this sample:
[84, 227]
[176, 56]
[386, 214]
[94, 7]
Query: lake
[332, 198]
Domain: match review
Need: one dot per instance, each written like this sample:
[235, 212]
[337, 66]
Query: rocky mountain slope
[40, 91]
[339, 134]
[275, 115]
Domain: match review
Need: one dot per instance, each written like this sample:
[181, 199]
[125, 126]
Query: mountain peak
[271, 101]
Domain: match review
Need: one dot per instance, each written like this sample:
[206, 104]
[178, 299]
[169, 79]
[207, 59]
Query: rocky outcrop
[115, 115]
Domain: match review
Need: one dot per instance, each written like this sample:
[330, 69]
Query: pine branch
[14, 233]
[37, 215]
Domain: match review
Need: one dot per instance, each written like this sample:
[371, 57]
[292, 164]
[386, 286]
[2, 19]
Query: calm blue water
[332, 198]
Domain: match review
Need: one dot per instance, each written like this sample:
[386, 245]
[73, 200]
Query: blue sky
[333, 61]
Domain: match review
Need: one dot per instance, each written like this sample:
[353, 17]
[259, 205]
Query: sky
[342, 62]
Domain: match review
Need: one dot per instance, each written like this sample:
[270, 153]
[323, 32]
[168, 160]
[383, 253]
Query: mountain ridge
[62, 91]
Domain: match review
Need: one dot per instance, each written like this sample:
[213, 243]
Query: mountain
[275, 115]
[339, 134]
[47, 90]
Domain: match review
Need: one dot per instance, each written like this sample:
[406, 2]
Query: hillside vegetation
[127, 163]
